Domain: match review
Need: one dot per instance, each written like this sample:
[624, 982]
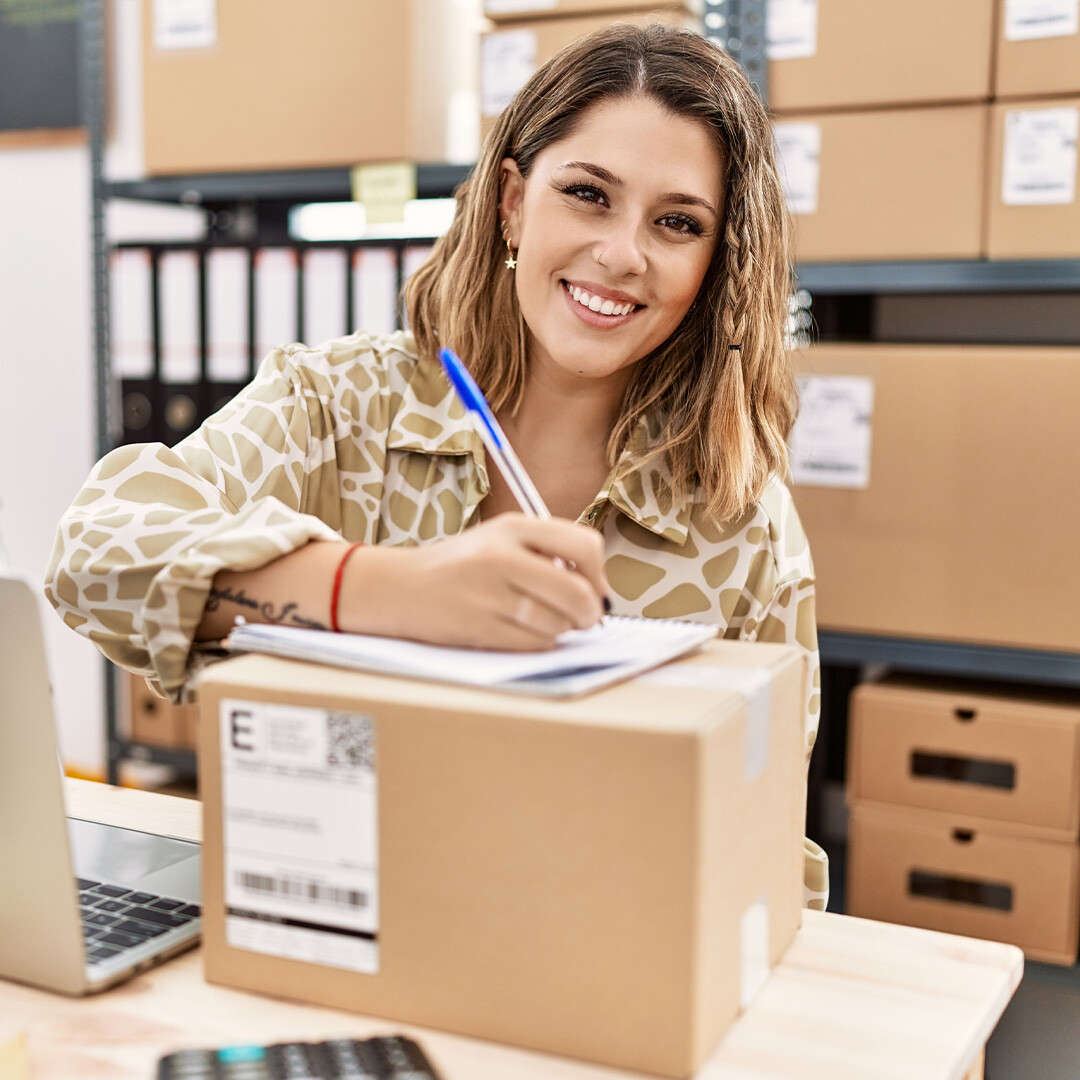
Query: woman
[616, 277]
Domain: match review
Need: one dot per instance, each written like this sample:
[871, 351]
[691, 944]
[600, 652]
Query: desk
[851, 1000]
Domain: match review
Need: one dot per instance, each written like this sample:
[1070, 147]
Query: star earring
[511, 254]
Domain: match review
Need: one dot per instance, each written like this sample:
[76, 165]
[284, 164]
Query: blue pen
[492, 436]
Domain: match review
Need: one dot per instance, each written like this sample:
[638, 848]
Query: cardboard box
[886, 183]
[510, 54]
[285, 84]
[154, 720]
[1038, 50]
[935, 484]
[967, 748]
[845, 54]
[977, 879]
[1033, 194]
[587, 877]
[500, 11]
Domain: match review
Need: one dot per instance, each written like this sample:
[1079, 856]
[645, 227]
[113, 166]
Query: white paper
[798, 146]
[755, 686]
[830, 443]
[179, 292]
[185, 24]
[582, 659]
[753, 950]
[325, 294]
[1039, 162]
[1026, 20]
[375, 290]
[300, 812]
[131, 333]
[790, 29]
[227, 315]
[275, 299]
[507, 61]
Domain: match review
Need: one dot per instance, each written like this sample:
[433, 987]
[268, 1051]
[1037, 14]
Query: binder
[276, 299]
[228, 344]
[325, 294]
[375, 290]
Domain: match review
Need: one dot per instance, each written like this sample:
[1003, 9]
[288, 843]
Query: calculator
[391, 1057]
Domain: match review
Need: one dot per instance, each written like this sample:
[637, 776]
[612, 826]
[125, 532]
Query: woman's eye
[681, 223]
[585, 192]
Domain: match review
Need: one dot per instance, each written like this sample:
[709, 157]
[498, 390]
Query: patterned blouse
[360, 439]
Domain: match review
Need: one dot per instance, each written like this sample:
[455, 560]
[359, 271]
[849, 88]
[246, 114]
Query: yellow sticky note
[384, 190]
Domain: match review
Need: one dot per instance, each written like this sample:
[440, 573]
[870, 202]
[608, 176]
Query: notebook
[617, 648]
[82, 905]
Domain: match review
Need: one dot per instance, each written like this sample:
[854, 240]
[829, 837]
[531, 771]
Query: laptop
[82, 905]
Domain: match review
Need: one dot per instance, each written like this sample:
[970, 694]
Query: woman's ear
[511, 196]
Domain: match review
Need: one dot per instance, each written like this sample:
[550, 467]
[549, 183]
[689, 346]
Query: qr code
[350, 740]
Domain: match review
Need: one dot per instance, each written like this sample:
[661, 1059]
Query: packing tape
[753, 950]
[755, 685]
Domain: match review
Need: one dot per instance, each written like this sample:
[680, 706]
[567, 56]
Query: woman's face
[614, 228]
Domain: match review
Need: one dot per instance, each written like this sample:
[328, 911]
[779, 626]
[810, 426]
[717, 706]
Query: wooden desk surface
[851, 1000]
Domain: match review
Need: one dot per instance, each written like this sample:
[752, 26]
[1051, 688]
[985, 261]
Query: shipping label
[1026, 20]
[1039, 163]
[185, 24]
[507, 62]
[300, 833]
[830, 443]
[798, 146]
[790, 29]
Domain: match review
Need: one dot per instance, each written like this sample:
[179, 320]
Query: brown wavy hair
[720, 385]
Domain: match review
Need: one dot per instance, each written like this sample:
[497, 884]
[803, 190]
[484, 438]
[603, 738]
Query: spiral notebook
[617, 648]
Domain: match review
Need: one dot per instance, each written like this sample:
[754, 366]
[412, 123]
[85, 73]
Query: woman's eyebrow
[608, 177]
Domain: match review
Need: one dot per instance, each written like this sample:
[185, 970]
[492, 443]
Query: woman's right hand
[513, 582]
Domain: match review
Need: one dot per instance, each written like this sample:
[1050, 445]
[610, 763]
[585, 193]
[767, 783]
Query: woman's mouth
[590, 305]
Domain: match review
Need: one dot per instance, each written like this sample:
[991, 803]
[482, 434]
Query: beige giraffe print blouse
[360, 439]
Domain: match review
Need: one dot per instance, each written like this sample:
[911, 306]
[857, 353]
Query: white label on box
[299, 810]
[753, 950]
[185, 24]
[830, 443]
[1026, 20]
[798, 147]
[507, 62]
[1039, 167]
[790, 29]
[516, 7]
[755, 685]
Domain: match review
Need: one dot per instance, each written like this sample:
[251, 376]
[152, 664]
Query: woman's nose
[621, 251]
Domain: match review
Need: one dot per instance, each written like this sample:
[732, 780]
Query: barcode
[314, 892]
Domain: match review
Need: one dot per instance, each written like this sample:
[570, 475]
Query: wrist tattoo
[287, 613]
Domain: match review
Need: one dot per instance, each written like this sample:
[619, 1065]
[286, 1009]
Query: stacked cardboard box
[936, 486]
[526, 33]
[608, 877]
[965, 811]
[882, 120]
[286, 84]
[154, 720]
[1034, 193]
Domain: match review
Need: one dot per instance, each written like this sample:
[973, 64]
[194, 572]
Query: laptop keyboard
[115, 918]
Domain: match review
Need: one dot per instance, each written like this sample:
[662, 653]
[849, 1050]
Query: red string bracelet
[335, 595]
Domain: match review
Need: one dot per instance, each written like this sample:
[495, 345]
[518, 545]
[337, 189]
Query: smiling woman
[616, 278]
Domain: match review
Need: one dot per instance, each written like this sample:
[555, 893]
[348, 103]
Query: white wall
[46, 378]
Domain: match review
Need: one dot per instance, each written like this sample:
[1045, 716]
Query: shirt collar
[431, 420]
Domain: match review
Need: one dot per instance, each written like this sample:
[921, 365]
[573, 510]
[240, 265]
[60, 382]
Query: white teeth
[596, 303]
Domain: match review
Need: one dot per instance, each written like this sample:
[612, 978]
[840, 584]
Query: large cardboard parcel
[1038, 49]
[287, 84]
[886, 183]
[937, 485]
[997, 752]
[854, 54]
[501, 11]
[965, 876]
[607, 878]
[1033, 193]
